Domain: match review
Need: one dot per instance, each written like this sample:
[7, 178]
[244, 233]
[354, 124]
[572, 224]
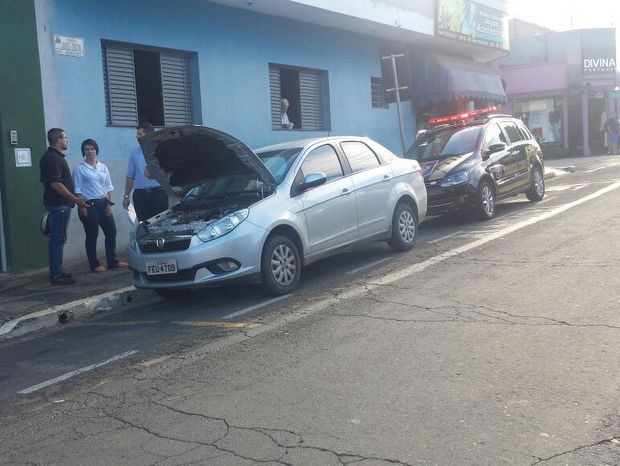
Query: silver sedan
[259, 216]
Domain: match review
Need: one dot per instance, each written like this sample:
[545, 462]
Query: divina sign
[599, 65]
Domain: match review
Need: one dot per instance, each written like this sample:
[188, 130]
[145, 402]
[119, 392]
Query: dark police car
[471, 160]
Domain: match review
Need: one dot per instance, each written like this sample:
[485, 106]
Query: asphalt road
[490, 343]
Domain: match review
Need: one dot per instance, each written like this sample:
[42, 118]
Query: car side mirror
[312, 180]
[493, 148]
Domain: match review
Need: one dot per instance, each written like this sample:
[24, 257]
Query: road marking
[579, 186]
[315, 306]
[563, 187]
[408, 271]
[153, 361]
[200, 323]
[68, 375]
[256, 306]
[367, 266]
[446, 237]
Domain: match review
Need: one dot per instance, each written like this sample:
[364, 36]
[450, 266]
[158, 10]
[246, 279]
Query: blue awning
[439, 77]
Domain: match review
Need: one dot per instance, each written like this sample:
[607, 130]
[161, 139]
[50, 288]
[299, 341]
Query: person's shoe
[120, 265]
[62, 280]
[98, 269]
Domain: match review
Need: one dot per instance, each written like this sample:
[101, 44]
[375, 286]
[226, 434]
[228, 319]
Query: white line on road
[446, 237]
[68, 375]
[318, 305]
[256, 306]
[367, 266]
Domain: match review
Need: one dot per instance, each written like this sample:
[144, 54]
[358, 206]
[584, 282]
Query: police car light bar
[460, 116]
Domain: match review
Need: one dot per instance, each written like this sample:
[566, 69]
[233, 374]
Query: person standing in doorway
[149, 198]
[92, 182]
[58, 198]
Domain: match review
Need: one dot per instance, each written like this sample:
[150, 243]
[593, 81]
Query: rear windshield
[278, 162]
[451, 141]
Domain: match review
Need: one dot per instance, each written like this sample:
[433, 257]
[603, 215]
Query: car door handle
[345, 191]
[386, 178]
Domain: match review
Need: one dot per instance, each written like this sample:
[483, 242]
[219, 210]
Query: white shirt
[92, 182]
[285, 121]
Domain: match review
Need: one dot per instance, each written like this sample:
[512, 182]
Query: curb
[82, 308]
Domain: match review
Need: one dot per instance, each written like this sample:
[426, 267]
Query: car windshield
[228, 187]
[444, 143]
[279, 161]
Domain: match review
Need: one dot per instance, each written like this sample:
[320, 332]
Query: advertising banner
[469, 21]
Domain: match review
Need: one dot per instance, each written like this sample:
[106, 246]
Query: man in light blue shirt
[149, 198]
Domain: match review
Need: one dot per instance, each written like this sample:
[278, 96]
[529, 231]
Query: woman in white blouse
[93, 183]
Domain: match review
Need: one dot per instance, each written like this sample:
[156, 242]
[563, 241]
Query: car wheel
[404, 228]
[536, 190]
[485, 202]
[280, 266]
[174, 294]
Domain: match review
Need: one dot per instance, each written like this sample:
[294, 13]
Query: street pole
[397, 89]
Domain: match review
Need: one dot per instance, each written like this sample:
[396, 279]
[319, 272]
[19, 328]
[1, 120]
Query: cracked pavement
[505, 354]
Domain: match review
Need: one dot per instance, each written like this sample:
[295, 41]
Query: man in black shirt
[58, 198]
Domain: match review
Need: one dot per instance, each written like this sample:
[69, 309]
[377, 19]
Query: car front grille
[164, 243]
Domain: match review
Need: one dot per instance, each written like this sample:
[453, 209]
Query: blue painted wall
[234, 49]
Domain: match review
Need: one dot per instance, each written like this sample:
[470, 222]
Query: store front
[562, 92]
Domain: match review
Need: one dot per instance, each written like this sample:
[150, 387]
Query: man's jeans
[58, 223]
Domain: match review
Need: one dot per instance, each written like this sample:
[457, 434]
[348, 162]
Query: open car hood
[184, 156]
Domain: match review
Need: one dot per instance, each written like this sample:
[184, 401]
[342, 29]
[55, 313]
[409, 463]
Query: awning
[439, 77]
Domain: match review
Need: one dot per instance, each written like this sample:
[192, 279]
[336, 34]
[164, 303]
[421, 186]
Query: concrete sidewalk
[28, 302]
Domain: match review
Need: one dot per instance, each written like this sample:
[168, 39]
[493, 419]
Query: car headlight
[455, 178]
[223, 225]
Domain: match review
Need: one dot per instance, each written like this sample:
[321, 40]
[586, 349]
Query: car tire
[536, 191]
[280, 266]
[485, 201]
[174, 294]
[404, 228]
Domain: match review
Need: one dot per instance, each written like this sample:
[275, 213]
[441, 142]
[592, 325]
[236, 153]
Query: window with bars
[145, 84]
[305, 90]
[377, 92]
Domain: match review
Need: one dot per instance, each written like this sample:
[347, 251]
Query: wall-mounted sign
[598, 53]
[599, 65]
[469, 21]
[23, 158]
[72, 46]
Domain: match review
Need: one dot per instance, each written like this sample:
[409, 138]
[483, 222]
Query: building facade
[562, 85]
[104, 66]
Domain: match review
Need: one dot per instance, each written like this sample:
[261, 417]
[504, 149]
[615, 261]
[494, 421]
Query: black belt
[103, 200]
[150, 190]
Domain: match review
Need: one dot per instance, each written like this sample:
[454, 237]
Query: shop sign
[598, 53]
[599, 65]
[469, 21]
[72, 46]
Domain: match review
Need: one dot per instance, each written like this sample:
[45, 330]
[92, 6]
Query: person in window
[149, 198]
[286, 124]
[58, 198]
[92, 182]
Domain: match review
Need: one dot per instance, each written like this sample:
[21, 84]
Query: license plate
[161, 267]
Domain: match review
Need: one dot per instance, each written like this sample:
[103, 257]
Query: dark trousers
[149, 202]
[96, 217]
[58, 223]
